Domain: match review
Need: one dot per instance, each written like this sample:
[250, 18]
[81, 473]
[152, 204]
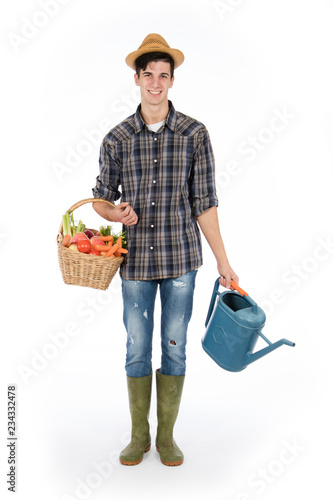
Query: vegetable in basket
[69, 226]
[88, 233]
[79, 237]
[103, 243]
[84, 246]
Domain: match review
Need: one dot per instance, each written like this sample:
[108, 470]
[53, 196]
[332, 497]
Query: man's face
[154, 82]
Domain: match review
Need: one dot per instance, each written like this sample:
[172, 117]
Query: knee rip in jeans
[173, 342]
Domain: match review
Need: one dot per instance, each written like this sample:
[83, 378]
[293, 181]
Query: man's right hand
[122, 212]
[125, 214]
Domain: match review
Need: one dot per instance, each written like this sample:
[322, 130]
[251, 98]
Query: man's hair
[142, 61]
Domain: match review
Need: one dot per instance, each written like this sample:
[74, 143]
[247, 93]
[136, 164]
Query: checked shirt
[168, 178]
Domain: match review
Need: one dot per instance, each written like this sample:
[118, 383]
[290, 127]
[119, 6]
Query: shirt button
[155, 138]
[152, 225]
[154, 182]
[153, 203]
[155, 161]
[151, 248]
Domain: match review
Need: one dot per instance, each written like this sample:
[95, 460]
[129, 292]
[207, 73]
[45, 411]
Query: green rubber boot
[139, 393]
[169, 393]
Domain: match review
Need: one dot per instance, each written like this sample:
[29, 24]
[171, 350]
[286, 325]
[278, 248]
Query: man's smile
[155, 92]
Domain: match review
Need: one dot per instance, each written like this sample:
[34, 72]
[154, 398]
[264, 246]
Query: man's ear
[136, 79]
[171, 81]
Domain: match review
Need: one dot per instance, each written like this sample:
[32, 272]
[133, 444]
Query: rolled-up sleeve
[203, 189]
[108, 180]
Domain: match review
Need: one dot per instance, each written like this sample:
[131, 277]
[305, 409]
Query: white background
[64, 79]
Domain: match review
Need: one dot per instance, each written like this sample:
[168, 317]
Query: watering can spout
[266, 350]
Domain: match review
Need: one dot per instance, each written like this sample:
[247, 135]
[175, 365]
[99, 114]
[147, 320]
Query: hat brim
[176, 55]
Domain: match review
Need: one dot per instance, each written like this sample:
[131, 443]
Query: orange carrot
[120, 242]
[112, 250]
[67, 240]
[106, 238]
[120, 251]
[100, 248]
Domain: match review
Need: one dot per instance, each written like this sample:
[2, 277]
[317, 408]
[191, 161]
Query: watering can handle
[238, 288]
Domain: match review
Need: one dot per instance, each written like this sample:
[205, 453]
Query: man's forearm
[104, 210]
[209, 225]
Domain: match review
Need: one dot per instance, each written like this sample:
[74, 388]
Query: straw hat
[155, 43]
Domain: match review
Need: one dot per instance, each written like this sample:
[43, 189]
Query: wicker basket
[81, 269]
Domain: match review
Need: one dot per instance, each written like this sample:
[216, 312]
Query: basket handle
[83, 202]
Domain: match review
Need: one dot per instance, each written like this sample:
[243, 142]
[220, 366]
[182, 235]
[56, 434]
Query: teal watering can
[233, 325]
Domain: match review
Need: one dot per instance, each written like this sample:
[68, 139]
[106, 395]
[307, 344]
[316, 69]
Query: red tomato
[94, 252]
[84, 246]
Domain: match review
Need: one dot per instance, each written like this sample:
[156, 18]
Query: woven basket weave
[81, 269]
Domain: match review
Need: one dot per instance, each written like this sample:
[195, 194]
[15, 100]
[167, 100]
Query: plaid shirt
[168, 179]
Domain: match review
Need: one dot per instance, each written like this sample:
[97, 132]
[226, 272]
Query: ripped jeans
[176, 310]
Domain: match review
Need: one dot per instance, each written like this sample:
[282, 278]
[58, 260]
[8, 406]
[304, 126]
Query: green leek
[66, 224]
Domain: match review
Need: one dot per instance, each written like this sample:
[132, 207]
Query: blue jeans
[176, 310]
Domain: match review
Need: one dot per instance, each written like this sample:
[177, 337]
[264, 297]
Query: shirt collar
[171, 119]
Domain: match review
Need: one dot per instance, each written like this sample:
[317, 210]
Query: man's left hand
[226, 275]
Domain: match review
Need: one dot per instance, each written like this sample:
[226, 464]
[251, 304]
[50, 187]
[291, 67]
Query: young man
[164, 163]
